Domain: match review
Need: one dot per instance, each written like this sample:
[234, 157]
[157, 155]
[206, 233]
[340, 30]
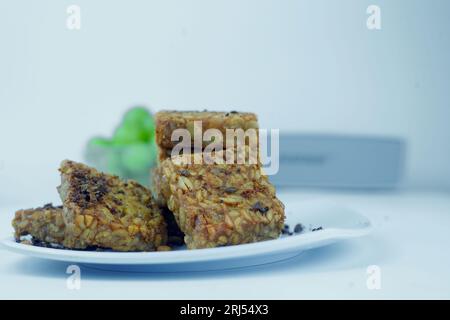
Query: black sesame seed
[298, 228]
[258, 206]
[118, 202]
[230, 190]
[86, 196]
[185, 173]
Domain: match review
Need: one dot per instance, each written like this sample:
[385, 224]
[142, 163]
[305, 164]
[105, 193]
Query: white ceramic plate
[337, 223]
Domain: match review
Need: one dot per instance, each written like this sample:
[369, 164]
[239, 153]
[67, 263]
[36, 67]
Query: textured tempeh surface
[168, 121]
[44, 224]
[102, 210]
[219, 204]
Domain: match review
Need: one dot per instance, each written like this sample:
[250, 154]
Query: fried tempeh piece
[44, 224]
[102, 210]
[219, 204]
[168, 121]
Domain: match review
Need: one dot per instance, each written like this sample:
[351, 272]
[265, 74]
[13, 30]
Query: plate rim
[360, 226]
[280, 245]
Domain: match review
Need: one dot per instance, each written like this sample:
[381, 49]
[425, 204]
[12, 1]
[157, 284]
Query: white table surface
[410, 244]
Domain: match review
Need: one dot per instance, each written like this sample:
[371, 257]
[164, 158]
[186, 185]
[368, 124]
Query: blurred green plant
[131, 152]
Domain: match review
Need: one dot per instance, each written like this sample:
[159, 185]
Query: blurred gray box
[348, 161]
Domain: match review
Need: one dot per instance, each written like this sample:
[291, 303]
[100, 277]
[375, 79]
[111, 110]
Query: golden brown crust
[44, 224]
[168, 121]
[219, 204]
[102, 210]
